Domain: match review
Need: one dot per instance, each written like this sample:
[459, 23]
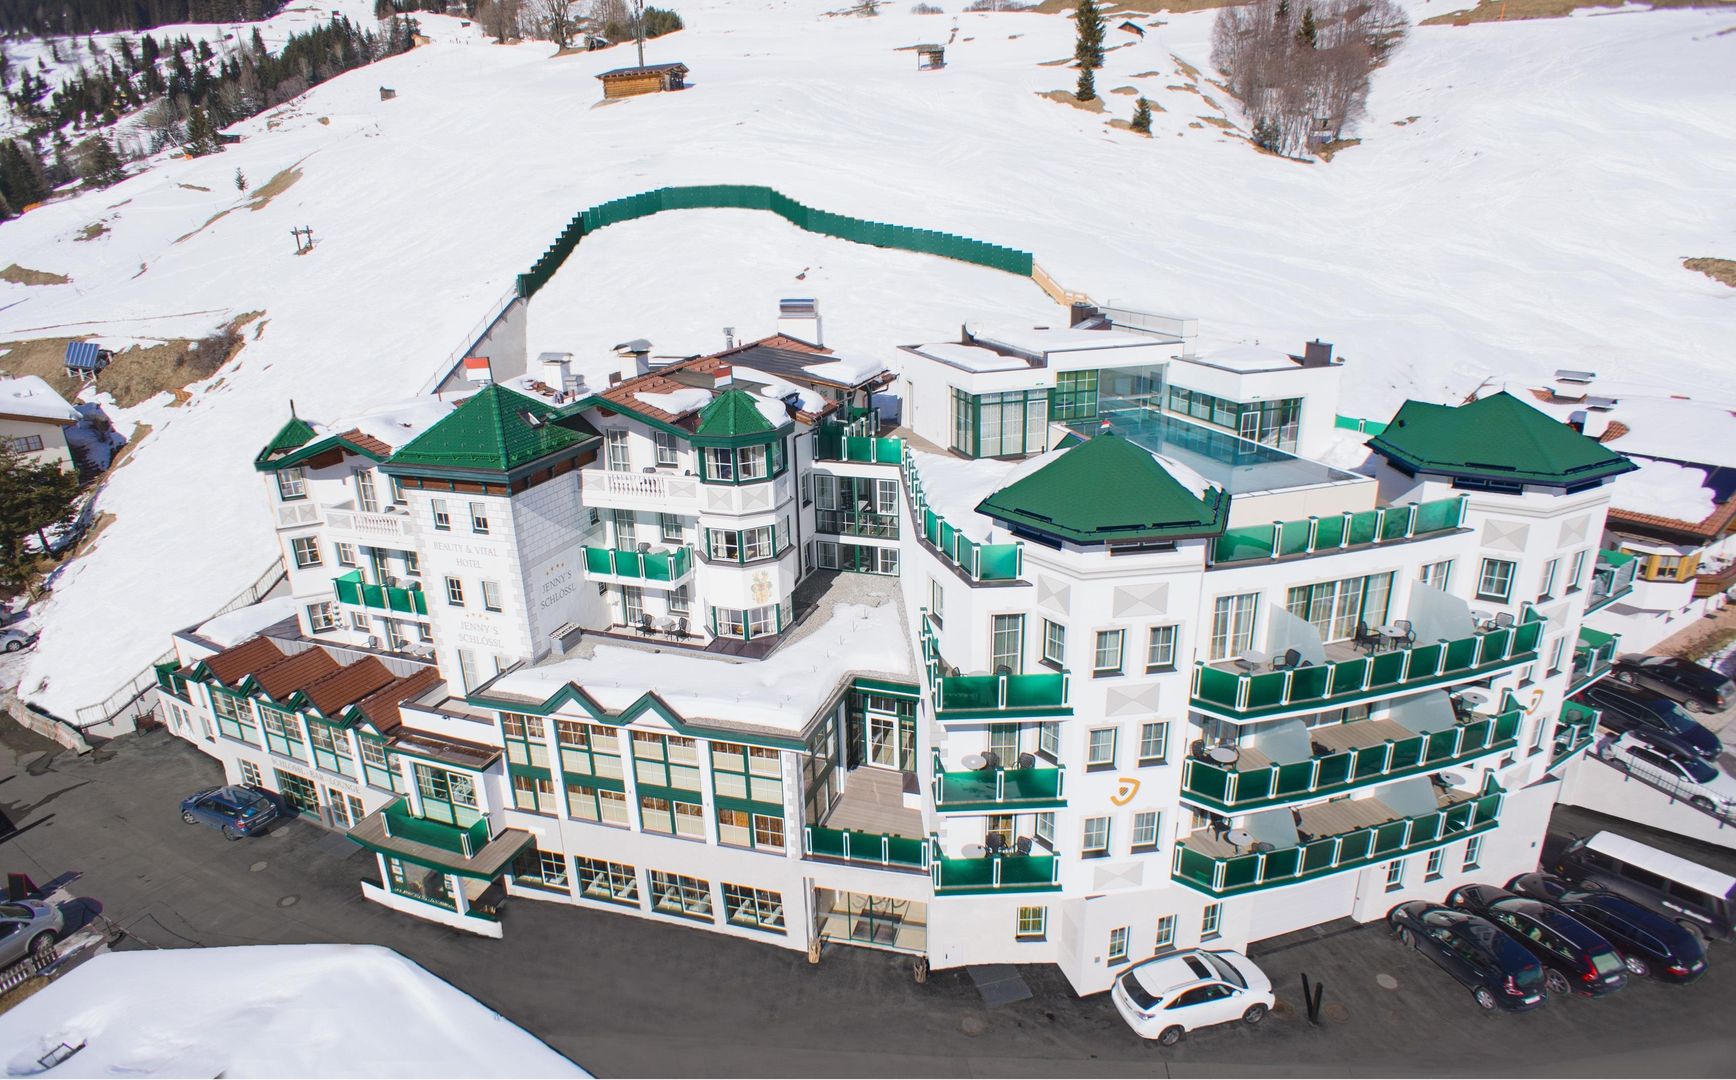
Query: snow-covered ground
[267, 1010]
[1532, 216]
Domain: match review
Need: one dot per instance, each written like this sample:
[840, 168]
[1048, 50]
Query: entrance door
[298, 791]
[882, 741]
[346, 808]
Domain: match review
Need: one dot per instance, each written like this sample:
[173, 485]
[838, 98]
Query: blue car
[1576, 958]
[238, 811]
[1649, 943]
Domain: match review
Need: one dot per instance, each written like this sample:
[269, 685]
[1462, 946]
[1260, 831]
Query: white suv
[1705, 783]
[1167, 996]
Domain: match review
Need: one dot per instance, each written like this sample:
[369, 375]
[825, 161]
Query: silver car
[26, 927]
[11, 640]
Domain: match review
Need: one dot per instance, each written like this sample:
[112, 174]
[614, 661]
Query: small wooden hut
[649, 79]
[930, 57]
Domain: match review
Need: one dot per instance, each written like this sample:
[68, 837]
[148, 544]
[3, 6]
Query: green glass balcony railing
[978, 790]
[671, 565]
[351, 589]
[1593, 656]
[850, 845]
[1611, 579]
[1322, 686]
[979, 697]
[980, 562]
[1574, 731]
[995, 874]
[1234, 790]
[1229, 876]
[1314, 536]
[853, 442]
[403, 825]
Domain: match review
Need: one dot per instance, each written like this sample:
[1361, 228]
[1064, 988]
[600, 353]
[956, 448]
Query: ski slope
[1532, 216]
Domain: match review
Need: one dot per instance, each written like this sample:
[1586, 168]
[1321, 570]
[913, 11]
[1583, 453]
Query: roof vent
[1577, 378]
[1602, 404]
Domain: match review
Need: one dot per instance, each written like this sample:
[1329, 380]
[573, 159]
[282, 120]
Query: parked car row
[1614, 909]
[1651, 735]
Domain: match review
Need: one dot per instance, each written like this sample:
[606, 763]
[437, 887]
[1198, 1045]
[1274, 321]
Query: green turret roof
[733, 418]
[1107, 489]
[495, 430]
[294, 433]
[1494, 438]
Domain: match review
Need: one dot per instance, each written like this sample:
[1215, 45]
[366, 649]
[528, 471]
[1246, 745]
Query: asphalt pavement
[629, 997]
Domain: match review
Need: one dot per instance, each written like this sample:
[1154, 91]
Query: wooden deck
[873, 802]
[1337, 738]
[1317, 822]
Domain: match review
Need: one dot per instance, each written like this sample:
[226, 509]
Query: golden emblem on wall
[1126, 788]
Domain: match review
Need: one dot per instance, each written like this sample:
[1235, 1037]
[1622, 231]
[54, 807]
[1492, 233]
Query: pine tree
[1087, 86]
[1282, 20]
[1307, 36]
[22, 178]
[34, 496]
[201, 136]
[98, 164]
[1088, 50]
[240, 182]
[1142, 117]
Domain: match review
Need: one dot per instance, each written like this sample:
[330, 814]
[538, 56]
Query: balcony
[1229, 691]
[997, 790]
[978, 562]
[994, 874]
[662, 491]
[1613, 578]
[873, 849]
[669, 568]
[1348, 757]
[393, 529]
[857, 523]
[1575, 730]
[400, 824]
[352, 590]
[1592, 657]
[855, 442]
[1708, 583]
[1003, 696]
[1333, 837]
[1323, 536]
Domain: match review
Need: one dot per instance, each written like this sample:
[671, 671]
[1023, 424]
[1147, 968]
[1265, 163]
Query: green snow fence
[755, 197]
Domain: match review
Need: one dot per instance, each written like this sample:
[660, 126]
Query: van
[1696, 897]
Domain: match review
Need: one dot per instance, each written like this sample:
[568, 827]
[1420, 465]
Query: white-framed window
[1145, 830]
[1118, 945]
[1007, 643]
[491, 600]
[25, 444]
[1033, 924]
[614, 883]
[615, 455]
[1049, 738]
[250, 774]
[1437, 574]
[322, 616]
[1557, 649]
[1004, 742]
[632, 605]
[936, 602]
[1165, 932]
[454, 592]
[366, 500]
[291, 484]
[306, 551]
[1153, 743]
[666, 448]
[396, 487]
[1547, 588]
[412, 564]
[1432, 868]
[1395, 875]
[1100, 752]
[1054, 643]
[1473, 852]
[761, 909]
[1106, 658]
[886, 560]
[670, 528]
[344, 553]
[1045, 828]
[1576, 569]
[1233, 624]
[1211, 920]
[681, 600]
[762, 620]
[1160, 649]
[1095, 837]
[442, 519]
[1495, 581]
[756, 543]
[678, 894]
[479, 518]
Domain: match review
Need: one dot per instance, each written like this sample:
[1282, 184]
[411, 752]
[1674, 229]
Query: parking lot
[625, 996]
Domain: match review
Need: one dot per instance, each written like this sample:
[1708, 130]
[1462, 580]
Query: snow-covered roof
[289, 1010]
[809, 400]
[1247, 359]
[30, 395]
[784, 691]
[676, 402]
[1047, 339]
[954, 486]
[970, 357]
[242, 623]
[394, 424]
[1664, 489]
[851, 370]
[1658, 423]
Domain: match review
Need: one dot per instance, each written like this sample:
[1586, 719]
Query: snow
[267, 1011]
[1038, 340]
[242, 623]
[849, 370]
[775, 411]
[676, 402]
[1490, 236]
[954, 486]
[1249, 358]
[785, 690]
[1678, 422]
[809, 400]
[30, 395]
[1664, 489]
[395, 424]
[972, 357]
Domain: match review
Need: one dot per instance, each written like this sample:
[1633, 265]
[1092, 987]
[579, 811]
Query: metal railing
[980, 562]
[1316, 535]
[970, 697]
[962, 791]
[879, 849]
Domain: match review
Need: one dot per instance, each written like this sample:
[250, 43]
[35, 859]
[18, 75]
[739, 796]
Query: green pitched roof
[294, 433]
[1106, 489]
[732, 417]
[495, 430]
[1494, 438]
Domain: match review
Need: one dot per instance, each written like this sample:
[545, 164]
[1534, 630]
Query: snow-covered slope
[269, 1010]
[1532, 216]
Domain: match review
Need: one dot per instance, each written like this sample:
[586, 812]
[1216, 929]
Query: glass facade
[1269, 423]
[1000, 425]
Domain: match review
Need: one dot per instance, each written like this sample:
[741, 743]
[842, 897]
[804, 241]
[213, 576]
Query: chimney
[635, 358]
[799, 317]
[1082, 313]
[722, 377]
[477, 370]
[1594, 425]
[1317, 354]
[557, 370]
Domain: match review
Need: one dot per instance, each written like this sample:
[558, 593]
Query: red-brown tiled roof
[1709, 528]
[294, 673]
[658, 382]
[381, 707]
[239, 661]
[333, 692]
[1615, 431]
[366, 442]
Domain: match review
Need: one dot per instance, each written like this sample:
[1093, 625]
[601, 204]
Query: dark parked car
[1629, 708]
[1499, 971]
[238, 811]
[1649, 943]
[1577, 958]
[1695, 685]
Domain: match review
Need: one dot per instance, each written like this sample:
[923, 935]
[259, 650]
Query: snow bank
[846, 369]
[784, 690]
[676, 402]
[270, 1010]
[954, 486]
[242, 623]
[1665, 489]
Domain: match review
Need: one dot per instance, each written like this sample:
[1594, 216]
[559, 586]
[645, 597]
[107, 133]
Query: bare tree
[500, 18]
[555, 20]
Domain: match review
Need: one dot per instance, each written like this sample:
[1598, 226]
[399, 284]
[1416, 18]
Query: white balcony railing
[377, 527]
[607, 488]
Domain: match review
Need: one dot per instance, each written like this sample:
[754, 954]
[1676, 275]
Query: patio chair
[1027, 761]
[995, 842]
[1409, 632]
[1022, 846]
[680, 630]
[646, 627]
[1366, 639]
[1503, 619]
[1290, 661]
[991, 760]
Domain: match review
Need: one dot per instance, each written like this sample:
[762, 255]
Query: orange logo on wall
[1125, 789]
